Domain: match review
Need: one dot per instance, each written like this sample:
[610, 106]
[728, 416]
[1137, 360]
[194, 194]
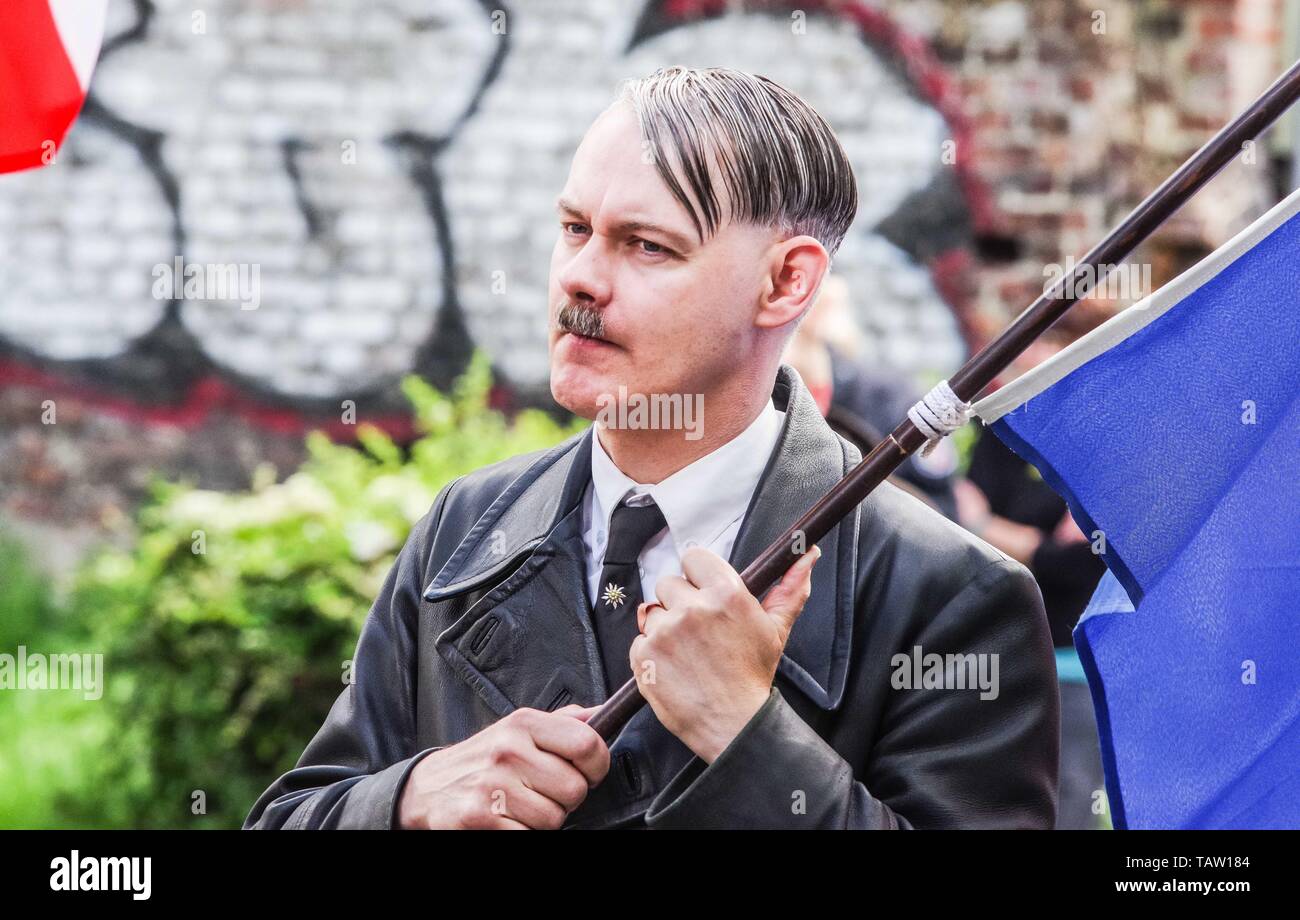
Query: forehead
[614, 176]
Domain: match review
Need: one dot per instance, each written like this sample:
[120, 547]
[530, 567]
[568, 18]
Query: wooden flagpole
[993, 358]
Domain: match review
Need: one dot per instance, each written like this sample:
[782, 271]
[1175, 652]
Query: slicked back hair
[779, 162]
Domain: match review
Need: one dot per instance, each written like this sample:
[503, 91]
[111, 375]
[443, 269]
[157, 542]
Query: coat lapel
[808, 461]
[528, 641]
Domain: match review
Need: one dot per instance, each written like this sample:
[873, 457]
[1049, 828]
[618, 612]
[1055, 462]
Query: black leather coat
[485, 611]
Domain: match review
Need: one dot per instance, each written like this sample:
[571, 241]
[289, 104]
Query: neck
[648, 455]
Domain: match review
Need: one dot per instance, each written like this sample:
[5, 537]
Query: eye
[568, 227]
[652, 248]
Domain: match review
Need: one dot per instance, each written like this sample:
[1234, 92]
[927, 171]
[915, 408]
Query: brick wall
[390, 170]
[1079, 109]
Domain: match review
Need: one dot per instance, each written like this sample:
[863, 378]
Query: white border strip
[1125, 323]
[81, 29]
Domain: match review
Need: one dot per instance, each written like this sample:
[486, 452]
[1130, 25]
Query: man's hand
[527, 770]
[708, 650]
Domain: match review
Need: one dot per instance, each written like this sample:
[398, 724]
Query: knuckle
[591, 743]
[482, 786]
[699, 554]
[472, 816]
[732, 592]
[661, 644]
[712, 600]
[523, 718]
[503, 751]
[552, 819]
[574, 790]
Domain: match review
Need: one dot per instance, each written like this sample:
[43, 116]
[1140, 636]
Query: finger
[673, 591]
[574, 740]
[635, 656]
[643, 613]
[533, 806]
[704, 568]
[493, 819]
[491, 822]
[554, 778]
[786, 600]
[517, 807]
[581, 713]
[651, 617]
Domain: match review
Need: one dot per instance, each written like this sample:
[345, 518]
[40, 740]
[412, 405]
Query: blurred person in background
[1004, 500]
[864, 402]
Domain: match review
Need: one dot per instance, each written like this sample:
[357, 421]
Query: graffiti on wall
[388, 171]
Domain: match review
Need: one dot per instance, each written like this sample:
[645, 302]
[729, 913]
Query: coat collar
[808, 460]
[704, 498]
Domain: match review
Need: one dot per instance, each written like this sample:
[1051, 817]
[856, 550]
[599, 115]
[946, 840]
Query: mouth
[586, 340]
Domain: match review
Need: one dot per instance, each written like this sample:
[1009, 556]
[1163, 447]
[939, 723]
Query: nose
[585, 275]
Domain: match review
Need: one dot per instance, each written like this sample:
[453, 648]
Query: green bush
[228, 627]
[26, 601]
[48, 739]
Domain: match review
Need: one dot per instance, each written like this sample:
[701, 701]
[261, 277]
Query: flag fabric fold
[48, 49]
[1173, 433]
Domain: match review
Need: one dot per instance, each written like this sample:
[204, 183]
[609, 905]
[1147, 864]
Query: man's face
[662, 312]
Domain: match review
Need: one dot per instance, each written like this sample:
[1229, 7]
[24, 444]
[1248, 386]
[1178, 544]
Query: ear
[795, 272]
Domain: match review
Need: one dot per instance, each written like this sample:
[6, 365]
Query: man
[697, 223]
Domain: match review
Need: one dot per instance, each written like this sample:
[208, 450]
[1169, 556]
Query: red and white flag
[48, 49]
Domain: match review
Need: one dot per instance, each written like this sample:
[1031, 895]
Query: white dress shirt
[704, 503]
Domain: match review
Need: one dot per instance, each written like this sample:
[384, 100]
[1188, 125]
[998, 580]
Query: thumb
[787, 597]
[579, 712]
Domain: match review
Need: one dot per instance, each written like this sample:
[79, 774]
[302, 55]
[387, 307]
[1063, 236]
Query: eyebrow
[676, 240]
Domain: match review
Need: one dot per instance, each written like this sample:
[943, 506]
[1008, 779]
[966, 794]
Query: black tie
[619, 590]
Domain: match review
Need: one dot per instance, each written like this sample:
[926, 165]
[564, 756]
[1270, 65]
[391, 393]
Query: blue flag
[1173, 433]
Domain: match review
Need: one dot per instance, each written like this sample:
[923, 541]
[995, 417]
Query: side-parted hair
[778, 160]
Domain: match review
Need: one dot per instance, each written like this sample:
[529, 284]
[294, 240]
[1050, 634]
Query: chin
[577, 389]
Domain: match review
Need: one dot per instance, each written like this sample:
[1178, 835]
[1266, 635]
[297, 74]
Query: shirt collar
[703, 498]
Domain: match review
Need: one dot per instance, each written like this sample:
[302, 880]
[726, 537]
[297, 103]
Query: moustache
[581, 320]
